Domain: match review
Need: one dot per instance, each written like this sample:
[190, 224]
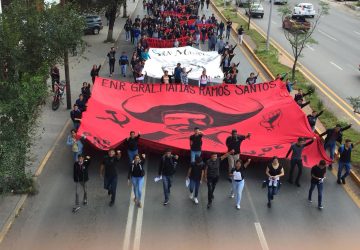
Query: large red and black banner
[166, 115]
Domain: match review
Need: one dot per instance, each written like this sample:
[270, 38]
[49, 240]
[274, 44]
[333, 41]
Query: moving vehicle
[59, 89]
[256, 9]
[93, 24]
[280, 1]
[305, 9]
[296, 22]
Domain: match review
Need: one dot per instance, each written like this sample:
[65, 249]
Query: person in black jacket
[313, 117]
[80, 175]
[132, 145]
[76, 116]
[333, 135]
[167, 169]
[136, 176]
[95, 72]
[85, 91]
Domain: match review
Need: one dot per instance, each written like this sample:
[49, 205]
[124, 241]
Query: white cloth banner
[188, 57]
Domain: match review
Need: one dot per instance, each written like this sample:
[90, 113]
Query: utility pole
[269, 27]
[67, 73]
[0, 7]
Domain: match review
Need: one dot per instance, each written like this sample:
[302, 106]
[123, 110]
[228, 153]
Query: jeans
[231, 161]
[240, 38]
[110, 183]
[193, 154]
[76, 125]
[84, 186]
[227, 36]
[347, 166]
[299, 164]
[123, 70]
[127, 35]
[131, 154]
[194, 186]
[136, 40]
[331, 146]
[320, 190]
[211, 183]
[76, 155]
[112, 66]
[221, 31]
[238, 187]
[166, 186]
[272, 190]
[137, 183]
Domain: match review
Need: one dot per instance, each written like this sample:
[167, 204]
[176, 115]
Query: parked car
[93, 24]
[296, 22]
[280, 1]
[305, 9]
[256, 9]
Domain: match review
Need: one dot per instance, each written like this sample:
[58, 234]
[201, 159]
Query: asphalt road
[335, 58]
[47, 222]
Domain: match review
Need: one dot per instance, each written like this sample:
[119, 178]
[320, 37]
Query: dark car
[296, 22]
[93, 24]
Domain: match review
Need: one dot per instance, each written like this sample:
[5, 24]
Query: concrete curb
[354, 176]
[247, 46]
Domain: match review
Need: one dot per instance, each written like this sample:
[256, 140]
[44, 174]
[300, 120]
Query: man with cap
[212, 172]
[296, 157]
[333, 135]
[167, 169]
[317, 179]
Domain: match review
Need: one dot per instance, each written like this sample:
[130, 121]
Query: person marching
[312, 118]
[109, 172]
[233, 143]
[167, 170]
[195, 144]
[81, 175]
[76, 144]
[195, 175]
[238, 182]
[296, 158]
[274, 171]
[344, 154]
[132, 145]
[212, 172]
[317, 179]
[136, 176]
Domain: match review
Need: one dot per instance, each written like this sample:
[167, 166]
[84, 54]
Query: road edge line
[261, 236]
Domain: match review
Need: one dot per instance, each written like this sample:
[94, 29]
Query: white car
[256, 9]
[305, 9]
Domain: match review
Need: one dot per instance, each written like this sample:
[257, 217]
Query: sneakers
[196, 201]
[232, 195]
[165, 203]
[191, 196]
[209, 205]
[75, 209]
[338, 181]
[343, 180]
[111, 204]
[139, 204]
[109, 192]
[85, 202]
[320, 207]
[238, 207]
[269, 204]
[310, 201]
[298, 184]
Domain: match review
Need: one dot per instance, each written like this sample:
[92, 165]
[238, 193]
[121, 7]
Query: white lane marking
[327, 35]
[139, 218]
[357, 32]
[309, 47]
[273, 22]
[337, 66]
[261, 236]
[129, 222]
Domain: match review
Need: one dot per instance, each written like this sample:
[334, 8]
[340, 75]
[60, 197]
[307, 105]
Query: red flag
[166, 115]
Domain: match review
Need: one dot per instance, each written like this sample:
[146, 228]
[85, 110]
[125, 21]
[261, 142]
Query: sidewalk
[50, 122]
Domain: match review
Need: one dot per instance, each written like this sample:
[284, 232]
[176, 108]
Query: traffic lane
[47, 221]
[294, 223]
[194, 226]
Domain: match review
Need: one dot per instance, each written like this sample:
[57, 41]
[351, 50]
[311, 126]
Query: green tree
[32, 39]
[300, 38]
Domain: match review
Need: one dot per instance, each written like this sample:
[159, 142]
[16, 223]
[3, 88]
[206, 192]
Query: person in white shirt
[204, 79]
[184, 76]
[237, 175]
[176, 43]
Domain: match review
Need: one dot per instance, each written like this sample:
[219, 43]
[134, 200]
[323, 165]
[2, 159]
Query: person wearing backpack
[344, 154]
[136, 176]
[81, 175]
[167, 169]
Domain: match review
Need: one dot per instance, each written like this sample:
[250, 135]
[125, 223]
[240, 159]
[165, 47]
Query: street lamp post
[269, 26]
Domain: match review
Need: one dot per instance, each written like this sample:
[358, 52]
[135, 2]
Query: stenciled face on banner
[179, 120]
